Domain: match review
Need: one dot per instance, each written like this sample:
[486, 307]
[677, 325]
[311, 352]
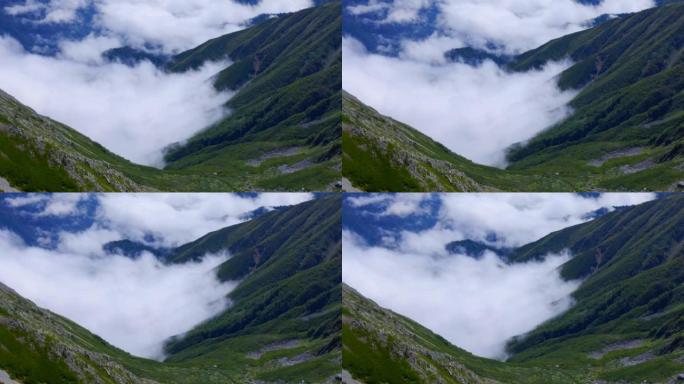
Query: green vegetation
[625, 133]
[283, 326]
[282, 133]
[625, 327]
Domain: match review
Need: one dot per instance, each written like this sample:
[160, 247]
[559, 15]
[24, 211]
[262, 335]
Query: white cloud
[399, 11]
[133, 111]
[520, 25]
[202, 213]
[133, 304]
[477, 112]
[514, 25]
[516, 218]
[401, 205]
[56, 11]
[476, 304]
[172, 218]
[173, 25]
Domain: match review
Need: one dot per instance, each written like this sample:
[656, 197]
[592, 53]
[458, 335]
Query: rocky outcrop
[64, 148]
[42, 329]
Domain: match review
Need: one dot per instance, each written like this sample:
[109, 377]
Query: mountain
[282, 132]
[285, 117]
[625, 326]
[625, 132]
[283, 325]
[287, 305]
[629, 308]
[628, 115]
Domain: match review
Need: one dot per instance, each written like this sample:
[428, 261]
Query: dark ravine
[283, 325]
[628, 71]
[625, 327]
[287, 78]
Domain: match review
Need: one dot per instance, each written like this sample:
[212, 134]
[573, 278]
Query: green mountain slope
[285, 118]
[632, 263]
[627, 125]
[287, 305]
[282, 133]
[283, 325]
[625, 132]
[625, 327]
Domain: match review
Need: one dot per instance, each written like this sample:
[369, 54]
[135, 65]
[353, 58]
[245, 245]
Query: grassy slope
[632, 263]
[630, 73]
[291, 101]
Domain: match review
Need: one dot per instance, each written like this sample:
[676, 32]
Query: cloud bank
[512, 25]
[133, 111]
[135, 304]
[476, 112]
[477, 304]
[170, 25]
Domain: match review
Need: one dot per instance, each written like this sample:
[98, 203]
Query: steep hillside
[283, 132]
[628, 118]
[286, 309]
[285, 117]
[37, 346]
[630, 306]
[625, 132]
[625, 327]
[39, 154]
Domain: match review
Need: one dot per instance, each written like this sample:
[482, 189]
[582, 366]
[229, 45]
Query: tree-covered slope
[287, 72]
[625, 133]
[282, 133]
[625, 326]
